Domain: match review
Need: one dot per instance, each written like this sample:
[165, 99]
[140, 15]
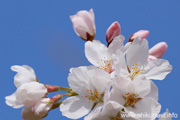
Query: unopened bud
[141, 33]
[113, 31]
[52, 88]
[158, 50]
[56, 98]
[84, 25]
[150, 57]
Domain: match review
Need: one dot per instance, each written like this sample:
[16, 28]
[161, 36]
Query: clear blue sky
[39, 33]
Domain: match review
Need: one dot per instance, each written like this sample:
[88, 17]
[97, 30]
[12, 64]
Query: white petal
[94, 116]
[24, 74]
[154, 91]
[30, 93]
[126, 47]
[99, 79]
[116, 44]
[120, 65]
[107, 92]
[78, 79]
[142, 86]
[109, 111]
[27, 114]
[138, 52]
[157, 69]
[42, 107]
[117, 95]
[75, 107]
[121, 82]
[146, 106]
[13, 102]
[125, 85]
[93, 112]
[95, 51]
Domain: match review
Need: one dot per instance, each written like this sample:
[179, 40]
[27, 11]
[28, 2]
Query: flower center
[131, 99]
[135, 71]
[106, 65]
[93, 96]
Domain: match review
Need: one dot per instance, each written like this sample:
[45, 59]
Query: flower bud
[141, 33]
[150, 57]
[42, 107]
[83, 24]
[158, 50]
[113, 31]
[38, 111]
[56, 98]
[52, 88]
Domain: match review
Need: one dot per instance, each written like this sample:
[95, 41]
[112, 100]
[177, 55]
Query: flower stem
[54, 88]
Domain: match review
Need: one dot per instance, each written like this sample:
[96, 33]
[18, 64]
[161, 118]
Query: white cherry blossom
[103, 57]
[90, 85]
[136, 96]
[27, 94]
[136, 62]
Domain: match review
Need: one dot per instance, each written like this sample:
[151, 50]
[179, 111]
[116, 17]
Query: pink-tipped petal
[141, 33]
[84, 25]
[113, 31]
[158, 50]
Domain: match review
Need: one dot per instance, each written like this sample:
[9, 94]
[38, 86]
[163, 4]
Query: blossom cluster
[117, 86]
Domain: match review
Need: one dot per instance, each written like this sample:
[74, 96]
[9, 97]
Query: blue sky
[39, 33]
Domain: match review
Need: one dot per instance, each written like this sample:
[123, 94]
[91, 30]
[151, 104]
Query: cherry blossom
[137, 63]
[136, 96]
[25, 95]
[103, 57]
[90, 85]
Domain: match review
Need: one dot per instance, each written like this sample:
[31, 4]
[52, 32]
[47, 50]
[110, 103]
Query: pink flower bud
[56, 98]
[52, 88]
[141, 33]
[158, 50]
[113, 31]
[150, 57]
[83, 24]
